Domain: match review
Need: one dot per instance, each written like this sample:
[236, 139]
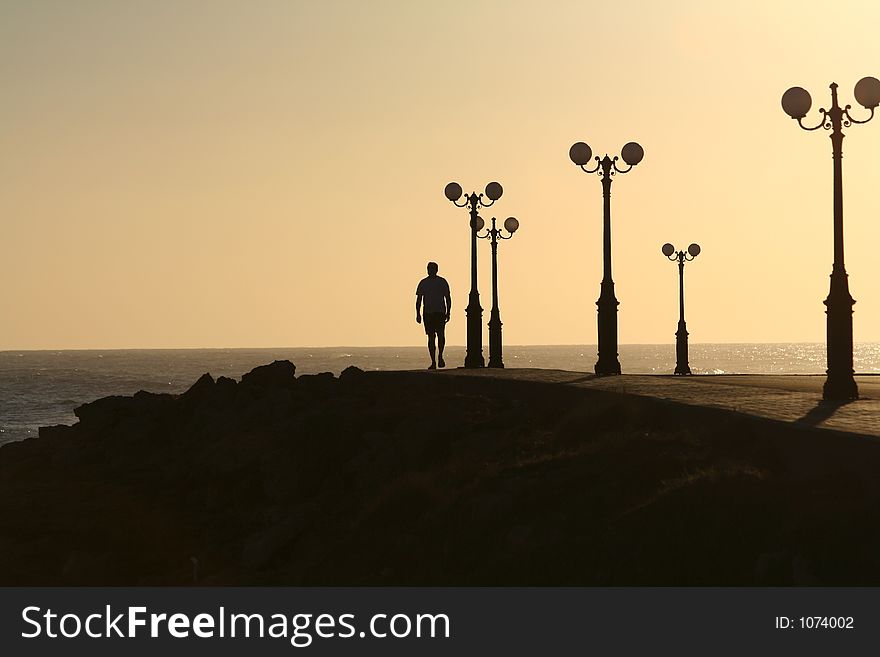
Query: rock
[351, 373]
[278, 374]
[317, 383]
[103, 413]
[207, 396]
[227, 383]
[150, 402]
[200, 390]
[55, 431]
[225, 391]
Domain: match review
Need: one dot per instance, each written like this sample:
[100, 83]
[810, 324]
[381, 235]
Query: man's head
[432, 269]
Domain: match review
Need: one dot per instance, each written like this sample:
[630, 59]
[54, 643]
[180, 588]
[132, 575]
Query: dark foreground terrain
[427, 478]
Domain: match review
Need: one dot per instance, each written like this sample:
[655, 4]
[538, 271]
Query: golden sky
[271, 173]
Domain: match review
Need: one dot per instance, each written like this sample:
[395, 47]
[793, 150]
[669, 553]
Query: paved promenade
[777, 397]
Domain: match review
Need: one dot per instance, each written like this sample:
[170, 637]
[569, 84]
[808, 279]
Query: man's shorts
[434, 323]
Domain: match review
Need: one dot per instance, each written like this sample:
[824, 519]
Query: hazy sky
[223, 174]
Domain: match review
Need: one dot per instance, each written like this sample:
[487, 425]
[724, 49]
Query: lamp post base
[607, 367]
[474, 356]
[840, 384]
[607, 316]
[840, 388]
[681, 350]
[495, 359]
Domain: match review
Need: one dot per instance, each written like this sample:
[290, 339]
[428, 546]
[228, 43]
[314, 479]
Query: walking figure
[434, 290]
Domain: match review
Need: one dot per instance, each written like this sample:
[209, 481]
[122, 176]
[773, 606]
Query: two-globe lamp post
[511, 224]
[840, 385]
[681, 335]
[581, 154]
[474, 201]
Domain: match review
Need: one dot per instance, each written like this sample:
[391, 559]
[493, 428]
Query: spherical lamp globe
[867, 92]
[632, 153]
[796, 102]
[580, 153]
[494, 190]
[453, 191]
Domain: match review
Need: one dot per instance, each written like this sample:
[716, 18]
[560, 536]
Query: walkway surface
[776, 397]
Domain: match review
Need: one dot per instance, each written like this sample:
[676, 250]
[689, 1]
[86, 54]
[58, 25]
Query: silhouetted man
[435, 291]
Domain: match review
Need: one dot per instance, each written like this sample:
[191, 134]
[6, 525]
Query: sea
[41, 388]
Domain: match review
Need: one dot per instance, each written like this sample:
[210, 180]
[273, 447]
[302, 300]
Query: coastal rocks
[351, 374]
[144, 402]
[225, 389]
[211, 397]
[199, 390]
[396, 478]
[321, 383]
[278, 374]
[103, 413]
[54, 431]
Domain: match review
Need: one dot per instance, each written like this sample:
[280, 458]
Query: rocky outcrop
[422, 478]
[279, 374]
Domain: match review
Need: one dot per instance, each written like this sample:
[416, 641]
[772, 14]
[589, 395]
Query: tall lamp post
[511, 224]
[606, 167]
[681, 335]
[453, 191]
[839, 384]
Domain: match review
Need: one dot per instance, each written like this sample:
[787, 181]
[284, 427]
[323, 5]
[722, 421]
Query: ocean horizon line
[410, 346]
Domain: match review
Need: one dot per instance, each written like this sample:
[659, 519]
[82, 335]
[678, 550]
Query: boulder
[278, 374]
[225, 390]
[103, 413]
[145, 399]
[55, 431]
[200, 390]
[317, 383]
[351, 373]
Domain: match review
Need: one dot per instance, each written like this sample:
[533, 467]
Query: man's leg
[431, 351]
[441, 342]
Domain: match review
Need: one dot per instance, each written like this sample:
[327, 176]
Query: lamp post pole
[580, 153]
[840, 384]
[511, 224]
[681, 335]
[474, 356]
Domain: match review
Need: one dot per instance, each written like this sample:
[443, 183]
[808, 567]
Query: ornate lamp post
[681, 335]
[511, 224]
[453, 191]
[607, 304]
[839, 384]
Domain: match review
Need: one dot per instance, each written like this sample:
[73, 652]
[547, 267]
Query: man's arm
[418, 308]
[448, 303]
